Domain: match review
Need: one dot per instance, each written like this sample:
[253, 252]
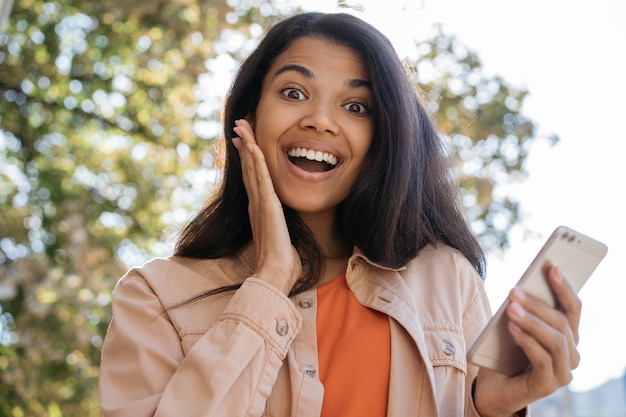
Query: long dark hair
[406, 195]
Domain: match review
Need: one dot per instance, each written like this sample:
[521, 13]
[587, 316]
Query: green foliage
[488, 135]
[109, 121]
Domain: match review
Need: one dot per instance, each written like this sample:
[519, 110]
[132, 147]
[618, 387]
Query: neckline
[333, 282]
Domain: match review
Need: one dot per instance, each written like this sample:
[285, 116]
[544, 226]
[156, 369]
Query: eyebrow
[352, 83]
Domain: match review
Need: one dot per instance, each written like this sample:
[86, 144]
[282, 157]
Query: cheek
[362, 146]
[265, 139]
[266, 125]
[260, 128]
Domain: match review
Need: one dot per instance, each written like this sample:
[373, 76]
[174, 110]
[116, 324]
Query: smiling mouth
[312, 161]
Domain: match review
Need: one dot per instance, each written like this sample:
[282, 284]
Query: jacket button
[448, 348]
[282, 327]
[305, 302]
[308, 370]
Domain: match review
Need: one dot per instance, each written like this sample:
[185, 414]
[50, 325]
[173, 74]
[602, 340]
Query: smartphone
[577, 255]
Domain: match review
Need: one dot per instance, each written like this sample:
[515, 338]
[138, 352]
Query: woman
[333, 273]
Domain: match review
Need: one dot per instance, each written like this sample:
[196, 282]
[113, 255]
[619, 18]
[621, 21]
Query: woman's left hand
[548, 336]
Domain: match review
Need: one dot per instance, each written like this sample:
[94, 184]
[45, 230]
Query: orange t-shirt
[354, 349]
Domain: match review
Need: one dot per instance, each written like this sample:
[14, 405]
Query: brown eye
[293, 94]
[357, 108]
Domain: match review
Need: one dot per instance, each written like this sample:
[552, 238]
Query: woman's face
[314, 123]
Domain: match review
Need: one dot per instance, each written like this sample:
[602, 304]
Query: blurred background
[110, 130]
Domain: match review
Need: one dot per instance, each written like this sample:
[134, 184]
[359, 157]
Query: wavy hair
[406, 195]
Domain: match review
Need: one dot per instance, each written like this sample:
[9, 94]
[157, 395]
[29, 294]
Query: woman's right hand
[277, 261]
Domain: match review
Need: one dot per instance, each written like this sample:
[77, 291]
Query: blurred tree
[109, 112]
[109, 117]
[488, 135]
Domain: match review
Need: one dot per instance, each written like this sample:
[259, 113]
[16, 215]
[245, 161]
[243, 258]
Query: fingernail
[514, 327]
[559, 274]
[518, 294]
[517, 310]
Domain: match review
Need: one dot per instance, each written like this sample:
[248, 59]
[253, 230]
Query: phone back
[577, 256]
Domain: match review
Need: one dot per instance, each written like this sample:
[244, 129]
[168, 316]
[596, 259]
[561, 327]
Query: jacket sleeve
[474, 321]
[229, 371]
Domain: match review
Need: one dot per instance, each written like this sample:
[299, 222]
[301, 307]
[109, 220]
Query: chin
[310, 207]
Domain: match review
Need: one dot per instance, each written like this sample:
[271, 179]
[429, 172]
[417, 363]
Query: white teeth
[312, 155]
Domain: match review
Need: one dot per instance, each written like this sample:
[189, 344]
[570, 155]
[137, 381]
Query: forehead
[317, 53]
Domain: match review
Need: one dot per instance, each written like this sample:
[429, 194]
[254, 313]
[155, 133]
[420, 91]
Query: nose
[321, 118]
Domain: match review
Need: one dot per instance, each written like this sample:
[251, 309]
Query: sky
[571, 57]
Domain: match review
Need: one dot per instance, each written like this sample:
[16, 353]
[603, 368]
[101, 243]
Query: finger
[247, 162]
[248, 174]
[246, 137]
[547, 349]
[570, 303]
[571, 306]
[548, 370]
[265, 208]
[260, 169]
[553, 317]
[546, 338]
[566, 318]
[244, 130]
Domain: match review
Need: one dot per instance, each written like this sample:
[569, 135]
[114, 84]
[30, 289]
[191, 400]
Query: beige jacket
[252, 352]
